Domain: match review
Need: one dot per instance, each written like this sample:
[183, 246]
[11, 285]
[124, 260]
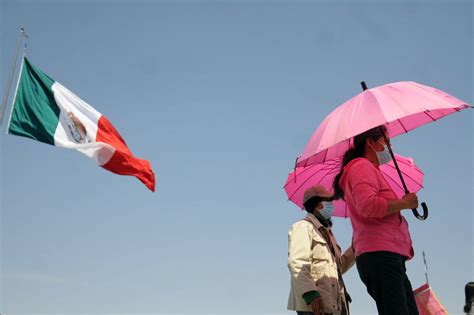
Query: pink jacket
[367, 193]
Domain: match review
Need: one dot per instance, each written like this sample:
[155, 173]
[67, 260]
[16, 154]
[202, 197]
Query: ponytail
[351, 154]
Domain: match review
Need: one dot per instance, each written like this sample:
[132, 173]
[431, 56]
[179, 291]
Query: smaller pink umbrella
[323, 174]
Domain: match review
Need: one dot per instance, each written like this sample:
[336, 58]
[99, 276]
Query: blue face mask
[327, 210]
[384, 157]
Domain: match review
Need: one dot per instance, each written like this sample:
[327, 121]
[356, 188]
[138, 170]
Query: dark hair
[357, 151]
[312, 202]
[469, 296]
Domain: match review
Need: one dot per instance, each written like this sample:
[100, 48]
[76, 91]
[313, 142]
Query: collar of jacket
[319, 221]
[327, 223]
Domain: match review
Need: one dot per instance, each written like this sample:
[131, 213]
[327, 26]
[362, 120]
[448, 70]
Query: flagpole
[14, 95]
[426, 267]
[12, 71]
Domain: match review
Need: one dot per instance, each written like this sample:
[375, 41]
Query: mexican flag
[46, 111]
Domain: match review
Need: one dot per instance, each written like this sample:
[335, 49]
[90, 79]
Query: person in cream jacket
[315, 260]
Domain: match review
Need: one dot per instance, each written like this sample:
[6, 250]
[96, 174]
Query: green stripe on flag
[35, 113]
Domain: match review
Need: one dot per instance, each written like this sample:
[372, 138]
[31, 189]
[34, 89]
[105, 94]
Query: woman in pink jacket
[381, 238]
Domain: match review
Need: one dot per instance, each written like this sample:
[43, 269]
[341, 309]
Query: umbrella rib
[305, 169]
[399, 186]
[398, 119]
[393, 181]
[426, 112]
[430, 91]
[406, 175]
[328, 165]
[403, 126]
[407, 164]
[399, 162]
[302, 184]
[327, 174]
[308, 168]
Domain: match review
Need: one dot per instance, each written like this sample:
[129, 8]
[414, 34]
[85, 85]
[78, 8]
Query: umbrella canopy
[400, 106]
[323, 174]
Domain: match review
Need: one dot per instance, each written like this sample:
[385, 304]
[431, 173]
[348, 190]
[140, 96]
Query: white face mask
[384, 156]
[327, 210]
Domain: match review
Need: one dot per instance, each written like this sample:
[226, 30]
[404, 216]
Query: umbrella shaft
[395, 162]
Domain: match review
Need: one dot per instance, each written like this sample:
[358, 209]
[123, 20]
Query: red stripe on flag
[123, 162]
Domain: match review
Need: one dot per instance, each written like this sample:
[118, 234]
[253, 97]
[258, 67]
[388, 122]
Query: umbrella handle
[425, 212]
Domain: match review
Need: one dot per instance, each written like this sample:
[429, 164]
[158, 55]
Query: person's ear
[370, 144]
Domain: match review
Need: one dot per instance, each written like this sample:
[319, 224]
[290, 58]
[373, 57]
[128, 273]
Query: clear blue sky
[220, 96]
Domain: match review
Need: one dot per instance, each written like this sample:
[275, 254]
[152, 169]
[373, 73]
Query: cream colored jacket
[312, 266]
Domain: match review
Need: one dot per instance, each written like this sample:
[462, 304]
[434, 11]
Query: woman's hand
[410, 200]
[317, 306]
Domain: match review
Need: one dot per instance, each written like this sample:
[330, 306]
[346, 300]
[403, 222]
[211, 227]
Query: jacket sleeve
[347, 259]
[299, 257]
[365, 188]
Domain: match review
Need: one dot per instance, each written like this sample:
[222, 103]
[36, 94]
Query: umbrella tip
[364, 86]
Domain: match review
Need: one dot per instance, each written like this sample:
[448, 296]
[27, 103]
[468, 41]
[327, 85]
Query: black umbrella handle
[425, 212]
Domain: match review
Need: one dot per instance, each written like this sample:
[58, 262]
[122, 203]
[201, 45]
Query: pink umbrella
[323, 174]
[400, 106]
